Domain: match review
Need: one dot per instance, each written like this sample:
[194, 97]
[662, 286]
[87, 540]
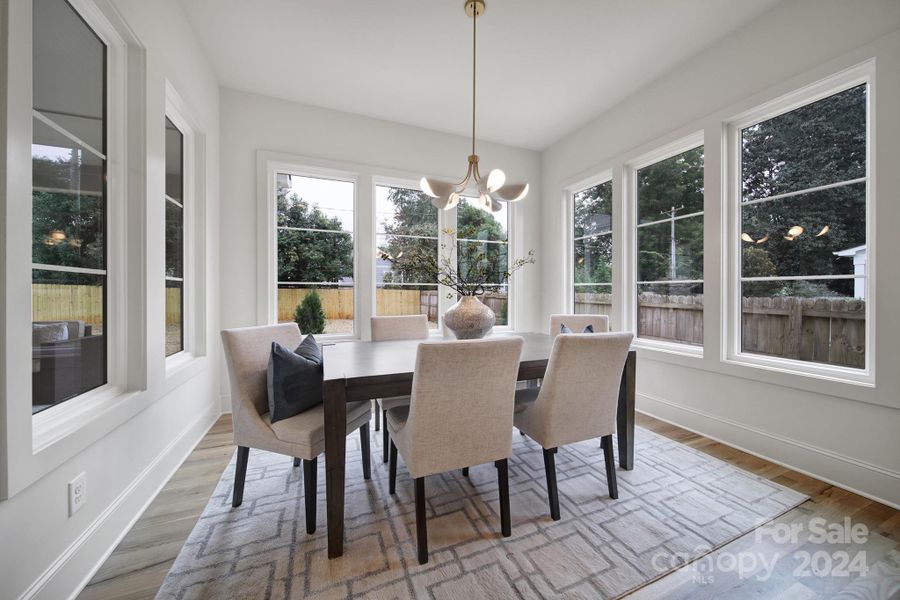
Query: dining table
[356, 371]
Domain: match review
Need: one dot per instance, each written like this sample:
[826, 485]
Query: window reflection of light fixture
[746, 238]
[795, 231]
[491, 191]
[825, 230]
[763, 239]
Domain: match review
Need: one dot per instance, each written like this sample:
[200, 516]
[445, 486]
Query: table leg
[335, 459]
[625, 414]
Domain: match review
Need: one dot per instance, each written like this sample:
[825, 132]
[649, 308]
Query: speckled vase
[469, 319]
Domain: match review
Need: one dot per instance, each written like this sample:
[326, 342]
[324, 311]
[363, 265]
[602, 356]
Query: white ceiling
[545, 68]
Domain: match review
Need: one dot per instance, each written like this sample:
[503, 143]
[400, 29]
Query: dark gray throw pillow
[564, 329]
[294, 379]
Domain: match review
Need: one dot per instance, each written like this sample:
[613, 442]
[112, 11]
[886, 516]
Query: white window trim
[194, 257]
[631, 168]
[443, 216]
[55, 423]
[569, 193]
[863, 73]
[268, 166]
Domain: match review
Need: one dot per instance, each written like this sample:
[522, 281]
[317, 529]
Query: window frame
[442, 218]
[631, 168]
[268, 272]
[732, 352]
[569, 193]
[193, 211]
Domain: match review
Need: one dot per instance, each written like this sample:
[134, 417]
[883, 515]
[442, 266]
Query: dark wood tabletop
[356, 371]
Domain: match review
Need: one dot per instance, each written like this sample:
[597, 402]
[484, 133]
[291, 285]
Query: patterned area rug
[677, 505]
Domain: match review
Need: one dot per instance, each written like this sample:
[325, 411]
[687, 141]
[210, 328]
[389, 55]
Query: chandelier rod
[474, 38]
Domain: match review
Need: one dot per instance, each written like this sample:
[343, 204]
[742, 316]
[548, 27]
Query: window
[803, 197]
[69, 204]
[406, 224]
[315, 268]
[593, 250]
[174, 239]
[670, 249]
[483, 243]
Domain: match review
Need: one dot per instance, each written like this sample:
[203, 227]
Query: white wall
[129, 451]
[841, 433]
[251, 123]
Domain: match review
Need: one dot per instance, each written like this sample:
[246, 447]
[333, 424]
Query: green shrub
[309, 315]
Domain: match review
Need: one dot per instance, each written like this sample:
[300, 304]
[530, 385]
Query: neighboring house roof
[850, 251]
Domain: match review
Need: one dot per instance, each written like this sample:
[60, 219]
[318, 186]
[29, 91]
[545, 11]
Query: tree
[309, 315]
[311, 256]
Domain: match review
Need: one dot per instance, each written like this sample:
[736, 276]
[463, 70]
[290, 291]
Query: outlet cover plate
[77, 494]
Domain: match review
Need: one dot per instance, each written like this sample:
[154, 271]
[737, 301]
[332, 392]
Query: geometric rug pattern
[677, 505]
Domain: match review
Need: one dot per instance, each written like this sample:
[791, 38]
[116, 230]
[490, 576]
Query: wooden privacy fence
[828, 330]
[62, 302]
[336, 302]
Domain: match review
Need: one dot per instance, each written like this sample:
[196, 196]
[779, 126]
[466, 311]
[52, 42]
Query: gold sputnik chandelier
[491, 190]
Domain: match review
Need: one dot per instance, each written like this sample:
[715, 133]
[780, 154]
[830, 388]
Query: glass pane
[817, 144]
[593, 299]
[314, 257]
[174, 317]
[317, 308]
[472, 223]
[482, 261]
[67, 230]
[60, 164]
[68, 346]
[818, 321]
[593, 210]
[672, 250]
[69, 71]
[673, 185]
[314, 203]
[671, 312]
[174, 162]
[593, 259]
[402, 211]
[393, 300]
[415, 259]
[833, 234]
[174, 240]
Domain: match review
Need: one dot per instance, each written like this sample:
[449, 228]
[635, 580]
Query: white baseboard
[860, 477]
[67, 576]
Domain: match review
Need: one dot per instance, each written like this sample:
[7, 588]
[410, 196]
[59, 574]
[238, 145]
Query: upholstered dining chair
[406, 327]
[577, 401]
[302, 436]
[577, 323]
[460, 415]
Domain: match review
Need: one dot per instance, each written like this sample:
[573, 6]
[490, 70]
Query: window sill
[668, 347]
[59, 422]
[796, 368]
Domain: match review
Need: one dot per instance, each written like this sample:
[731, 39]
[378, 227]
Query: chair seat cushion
[294, 379]
[396, 401]
[308, 427]
[525, 397]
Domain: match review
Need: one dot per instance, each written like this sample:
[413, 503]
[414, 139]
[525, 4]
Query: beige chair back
[247, 351]
[407, 327]
[461, 408]
[577, 323]
[579, 395]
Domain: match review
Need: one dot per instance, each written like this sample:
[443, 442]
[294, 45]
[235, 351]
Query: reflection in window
[406, 225]
[803, 248]
[482, 243]
[670, 249]
[174, 239]
[315, 252]
[593, 249]
[68, 206]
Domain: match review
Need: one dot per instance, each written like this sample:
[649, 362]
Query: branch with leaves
[478, 271]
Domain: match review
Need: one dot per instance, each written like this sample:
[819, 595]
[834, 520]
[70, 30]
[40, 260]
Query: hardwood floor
[137, 567]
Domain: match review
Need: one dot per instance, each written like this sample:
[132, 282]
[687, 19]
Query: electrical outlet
[77, 494]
